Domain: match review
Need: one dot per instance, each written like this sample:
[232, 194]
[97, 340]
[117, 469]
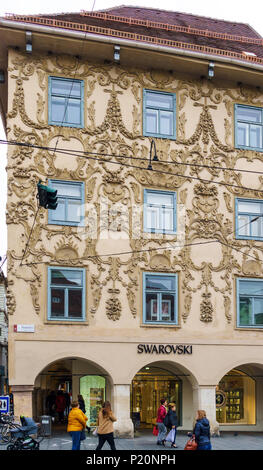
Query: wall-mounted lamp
[116, 55]
[2, 76]
[28, 42]
[155, 158]
[211, 70]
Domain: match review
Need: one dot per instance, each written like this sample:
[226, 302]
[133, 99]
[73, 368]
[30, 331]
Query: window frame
[51, 213]
[150, 134]
[237, 105]
[145, 207]
[250, 215]
[81, 102]
[161, 322]
[238, 302]
[83, 287]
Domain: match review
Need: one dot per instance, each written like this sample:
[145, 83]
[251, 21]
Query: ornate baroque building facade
[145, 282]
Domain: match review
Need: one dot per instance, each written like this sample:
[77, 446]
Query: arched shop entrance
[239, 398]
[149, 385]
[74, 376]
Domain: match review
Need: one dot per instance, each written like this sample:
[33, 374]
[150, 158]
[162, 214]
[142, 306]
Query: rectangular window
[249, 219]
[66, 294]
[159, 114]
[65, 102]
[160, 298]
[71, 199]
[249, 127]
[250, 303]
[159, 211]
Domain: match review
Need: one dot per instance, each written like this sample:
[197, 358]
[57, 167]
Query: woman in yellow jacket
[105, 426]
[76, 424]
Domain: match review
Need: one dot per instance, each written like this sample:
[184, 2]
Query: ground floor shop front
[225, 380]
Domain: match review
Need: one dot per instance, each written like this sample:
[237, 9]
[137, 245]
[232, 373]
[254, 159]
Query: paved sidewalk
[144, 440]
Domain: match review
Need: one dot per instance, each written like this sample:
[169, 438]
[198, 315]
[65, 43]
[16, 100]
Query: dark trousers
[106, 437]
[75, 439]
[61, 416]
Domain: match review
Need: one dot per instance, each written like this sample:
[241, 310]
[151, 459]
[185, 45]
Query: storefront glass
[92, 388]
[149, 386]
[235, 399]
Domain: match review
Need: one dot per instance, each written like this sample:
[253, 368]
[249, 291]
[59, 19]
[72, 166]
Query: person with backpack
[171, 423]
[161, 413]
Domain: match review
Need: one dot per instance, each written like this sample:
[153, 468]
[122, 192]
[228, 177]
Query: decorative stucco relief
[114, 140]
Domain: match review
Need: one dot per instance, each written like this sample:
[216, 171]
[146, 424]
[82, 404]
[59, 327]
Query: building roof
[169, 28]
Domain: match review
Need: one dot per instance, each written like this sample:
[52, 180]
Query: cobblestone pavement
[144, 440]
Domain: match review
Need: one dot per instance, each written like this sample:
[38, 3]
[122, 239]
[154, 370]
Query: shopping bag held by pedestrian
[155, 431]
[191, 444]
[95, 432]
[170, 436]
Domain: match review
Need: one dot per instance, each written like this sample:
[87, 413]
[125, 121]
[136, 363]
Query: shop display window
[149, 386]
[235, 398]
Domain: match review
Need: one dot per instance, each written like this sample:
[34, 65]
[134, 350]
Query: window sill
[66, 322]
[258, 239]
[64, 224]
[55, 124]
[249, 328]
[160, 136]
[159, 232]
[253, 149]
[160, 325]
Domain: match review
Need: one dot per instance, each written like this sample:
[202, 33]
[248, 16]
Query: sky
[230, 10]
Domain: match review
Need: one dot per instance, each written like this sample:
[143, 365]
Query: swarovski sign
[164, 349]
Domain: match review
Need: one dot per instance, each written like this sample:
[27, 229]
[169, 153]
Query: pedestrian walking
[67, 397]
[81, 403]
[82, 407]
[202, 431]
[50, 403]
[60, 405]
[171, 422]
[76, 425]
[161, 413]
[105, 422]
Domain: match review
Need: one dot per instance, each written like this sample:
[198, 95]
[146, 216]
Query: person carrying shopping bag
[105, 426]
[161, 413]
[76, 425]
[171, 422]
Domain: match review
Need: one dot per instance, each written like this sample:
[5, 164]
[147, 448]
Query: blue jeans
[75, 439]
[162, 432]
[205, 446]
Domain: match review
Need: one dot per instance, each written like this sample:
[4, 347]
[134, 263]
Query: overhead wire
[169, 247]
[81, 153]
[85, 156]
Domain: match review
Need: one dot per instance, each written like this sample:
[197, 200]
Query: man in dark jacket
[202, 431]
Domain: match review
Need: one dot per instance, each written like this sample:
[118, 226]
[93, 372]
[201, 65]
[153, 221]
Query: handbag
[155, 431]
[191, 444]
[170, 436]
[83, 435]
[95, 432]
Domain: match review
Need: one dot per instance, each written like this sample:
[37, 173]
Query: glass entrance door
[92, 388]
[149, 386]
